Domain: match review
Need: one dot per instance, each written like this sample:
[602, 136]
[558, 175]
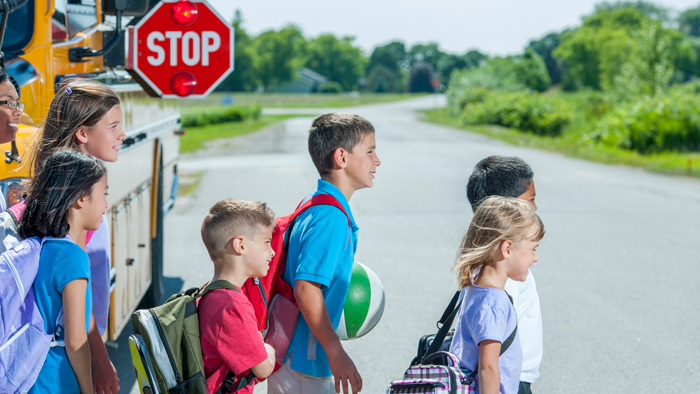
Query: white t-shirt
[527, 305]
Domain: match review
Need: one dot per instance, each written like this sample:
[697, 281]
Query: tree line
[274, 56]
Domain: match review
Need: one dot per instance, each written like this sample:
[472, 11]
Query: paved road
[618, 268]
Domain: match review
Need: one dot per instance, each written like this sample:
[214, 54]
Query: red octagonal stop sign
[181, 48]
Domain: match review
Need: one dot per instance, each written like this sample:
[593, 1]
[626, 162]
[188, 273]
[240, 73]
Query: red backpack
[261, 290]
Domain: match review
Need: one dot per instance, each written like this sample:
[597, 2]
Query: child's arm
[104, 376]
[313, 307]
[489, 374]
[265, 368]
[76, 342]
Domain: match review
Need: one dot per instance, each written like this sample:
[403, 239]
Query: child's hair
[332, 131]
[498, 176]
[63, 178]
[78, 103]
[231, 218]
[496, 219]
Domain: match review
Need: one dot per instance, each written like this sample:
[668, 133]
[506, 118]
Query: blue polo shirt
[321, 251]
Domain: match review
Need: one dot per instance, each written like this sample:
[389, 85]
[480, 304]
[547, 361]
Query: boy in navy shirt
[321, 253]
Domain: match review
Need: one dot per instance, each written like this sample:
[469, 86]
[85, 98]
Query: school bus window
[20, 27]
[81, 14]
[59, 30]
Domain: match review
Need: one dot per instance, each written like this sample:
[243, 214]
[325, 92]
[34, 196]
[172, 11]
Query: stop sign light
[181, 48]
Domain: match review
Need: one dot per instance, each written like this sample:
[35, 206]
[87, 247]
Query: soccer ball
[364, 304]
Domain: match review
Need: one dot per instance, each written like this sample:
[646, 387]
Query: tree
[650, 10]
[384, 71]
[278, 55]
[421, 78]
[384, 80]
[544, 47]
[390, 56]
[475, 58]
[337, 59]
[243, 77]
[689, 22]
[427, 53]
[531, 70]
[595, 51]
[650, 66]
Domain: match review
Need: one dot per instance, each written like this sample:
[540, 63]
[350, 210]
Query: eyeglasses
[13, 104]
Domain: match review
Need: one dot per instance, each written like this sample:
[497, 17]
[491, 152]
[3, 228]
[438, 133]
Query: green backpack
[165, 347]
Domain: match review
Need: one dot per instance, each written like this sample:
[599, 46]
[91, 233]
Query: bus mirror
[127, 7]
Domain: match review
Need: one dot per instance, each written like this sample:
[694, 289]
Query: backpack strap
[16, 211]
[229, 384]
[446, 320]
[319, 199]
[215, 285]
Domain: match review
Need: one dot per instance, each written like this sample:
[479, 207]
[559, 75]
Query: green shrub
[525, 111]
[331, 87]
[670, 123]
[221, 115]
[472, 85]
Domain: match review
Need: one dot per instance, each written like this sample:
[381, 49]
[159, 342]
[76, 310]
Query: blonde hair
[232, 218]
[497, 219]
[78, 102]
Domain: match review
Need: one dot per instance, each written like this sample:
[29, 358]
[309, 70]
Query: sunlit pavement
[616, 277]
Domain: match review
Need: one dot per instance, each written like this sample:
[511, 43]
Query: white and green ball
[364, 304]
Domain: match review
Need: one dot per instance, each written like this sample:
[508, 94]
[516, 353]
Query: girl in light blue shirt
[501, 243]
[66, 197]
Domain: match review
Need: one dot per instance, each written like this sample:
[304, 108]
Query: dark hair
[64, 177]
[332, 131]
[498, 176]
[3, 75]
[78, 102]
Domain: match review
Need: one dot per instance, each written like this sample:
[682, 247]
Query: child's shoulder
[479, 298]
[223, 300]
[62, 248]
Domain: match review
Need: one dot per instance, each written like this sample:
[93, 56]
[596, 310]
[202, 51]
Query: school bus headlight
[13, 189]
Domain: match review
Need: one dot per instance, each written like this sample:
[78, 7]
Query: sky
[496, 27]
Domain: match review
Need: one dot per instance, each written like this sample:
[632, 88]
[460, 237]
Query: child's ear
[506, 248]
[81, 136]
[339, 158]
[81, 201]
[238, 245]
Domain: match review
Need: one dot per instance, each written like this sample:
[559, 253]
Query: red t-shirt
[230, 338]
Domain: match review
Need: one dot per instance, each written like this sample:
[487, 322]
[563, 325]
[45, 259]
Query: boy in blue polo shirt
[320, 257]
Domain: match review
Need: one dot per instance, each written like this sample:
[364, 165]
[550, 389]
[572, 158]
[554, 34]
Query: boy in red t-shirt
[237, 235]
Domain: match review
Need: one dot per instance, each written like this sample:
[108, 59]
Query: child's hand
[344, 372]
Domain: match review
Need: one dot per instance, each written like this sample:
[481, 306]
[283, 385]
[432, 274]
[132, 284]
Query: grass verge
[569, 144]
[291, 100]
[195, 137]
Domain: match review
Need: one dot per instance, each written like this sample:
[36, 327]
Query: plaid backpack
[166, 350]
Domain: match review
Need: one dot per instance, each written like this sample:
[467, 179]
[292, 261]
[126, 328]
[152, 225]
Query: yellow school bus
[46, 41]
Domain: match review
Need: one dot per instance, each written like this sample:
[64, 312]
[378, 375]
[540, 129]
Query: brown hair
[231, 218]
[497, 219]
[332, 131]
[78, 103]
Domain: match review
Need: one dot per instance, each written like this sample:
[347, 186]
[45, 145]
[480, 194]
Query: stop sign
[181, 48]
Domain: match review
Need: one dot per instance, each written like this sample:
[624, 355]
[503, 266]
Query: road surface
[618, 268]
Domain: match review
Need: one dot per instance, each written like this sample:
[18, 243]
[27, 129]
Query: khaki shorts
[288, 381]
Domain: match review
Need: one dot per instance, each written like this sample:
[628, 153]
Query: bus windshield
[20, 27]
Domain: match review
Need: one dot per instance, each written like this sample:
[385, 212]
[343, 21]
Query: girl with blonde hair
[500, 243]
